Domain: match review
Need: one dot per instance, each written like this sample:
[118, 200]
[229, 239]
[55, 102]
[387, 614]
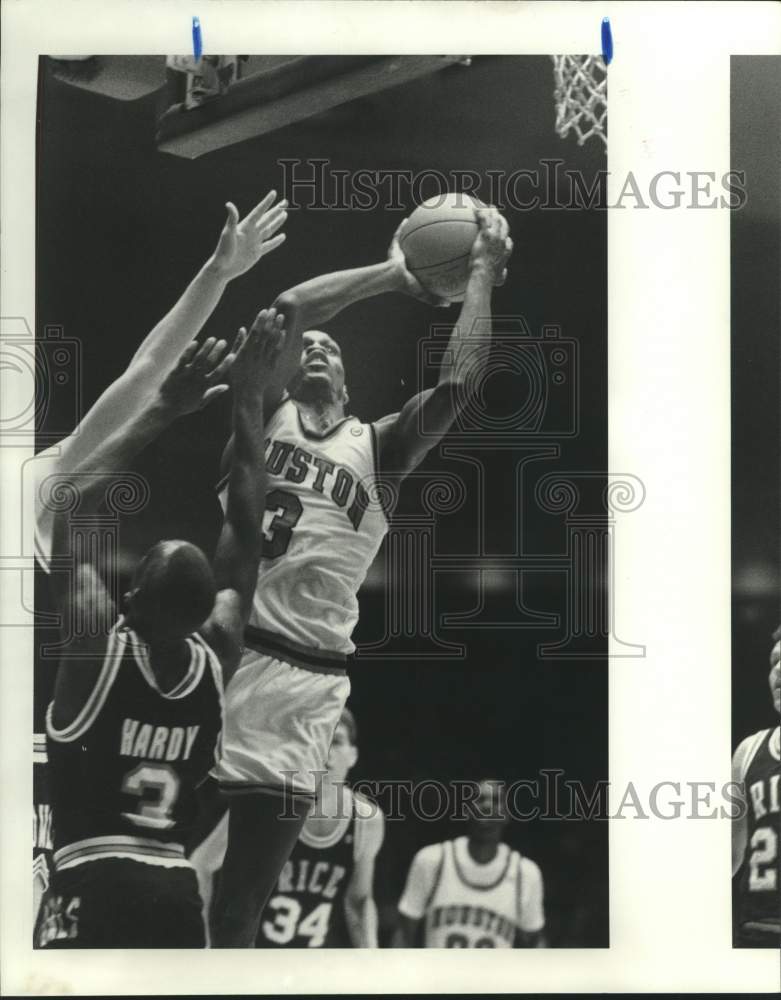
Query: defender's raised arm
[240, 545]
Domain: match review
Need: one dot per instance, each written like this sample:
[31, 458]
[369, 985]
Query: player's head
[172, 592]
[775, 670]
[488, 813]
[320, 376]
[344, 747]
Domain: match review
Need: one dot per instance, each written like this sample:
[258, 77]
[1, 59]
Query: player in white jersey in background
[324, 895]
[474, 891]
[240, 246]
[323, 526]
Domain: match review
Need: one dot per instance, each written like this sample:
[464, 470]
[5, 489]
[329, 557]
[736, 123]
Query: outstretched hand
[409, 283]
[243, 243]
[259, 351]
[492, 246]
[199, 377]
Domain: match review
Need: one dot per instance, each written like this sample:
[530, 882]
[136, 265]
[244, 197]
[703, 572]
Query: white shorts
[279, 723]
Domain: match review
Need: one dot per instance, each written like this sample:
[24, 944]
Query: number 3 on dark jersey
[287, 510]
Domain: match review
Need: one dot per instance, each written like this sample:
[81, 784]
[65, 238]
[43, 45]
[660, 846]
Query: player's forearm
[117, 452]
[113, 455]
[320, 299]
[247, 475]
[154, 359]
[163, 345]
[314, 302]
[467, 347]
[361, 915]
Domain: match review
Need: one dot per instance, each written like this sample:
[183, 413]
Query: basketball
[437, 242]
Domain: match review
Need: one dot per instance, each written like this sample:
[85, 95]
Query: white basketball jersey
[322, 528]
[474, 905]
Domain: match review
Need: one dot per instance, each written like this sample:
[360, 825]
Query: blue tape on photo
[197, 42]
[607, 41]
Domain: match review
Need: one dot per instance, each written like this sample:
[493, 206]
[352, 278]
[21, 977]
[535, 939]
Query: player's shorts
[120, 903]
[279, 721]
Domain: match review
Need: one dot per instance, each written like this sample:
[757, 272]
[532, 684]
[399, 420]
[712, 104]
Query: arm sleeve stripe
[96, 700]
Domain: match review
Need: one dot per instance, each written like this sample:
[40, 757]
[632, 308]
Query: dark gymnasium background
[122, 228]
[756, 376]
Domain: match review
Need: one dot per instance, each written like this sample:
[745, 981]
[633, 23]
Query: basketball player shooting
[137, 706]
[322, 531]
[755, 855]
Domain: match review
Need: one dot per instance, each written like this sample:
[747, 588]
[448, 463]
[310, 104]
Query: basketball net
[581, 96]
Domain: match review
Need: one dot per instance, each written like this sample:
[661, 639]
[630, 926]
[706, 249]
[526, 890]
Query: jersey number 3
[286, 510]
[163, 782]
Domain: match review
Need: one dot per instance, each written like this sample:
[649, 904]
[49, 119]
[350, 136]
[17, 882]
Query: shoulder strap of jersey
[96, 700]
[518, 886]
[214, 662]
[754, 743]
[385, 493]
[197, 656]
[437, 877]
[375, 450]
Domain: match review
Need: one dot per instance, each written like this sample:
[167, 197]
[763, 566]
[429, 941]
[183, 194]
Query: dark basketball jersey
[307, 908]
[44, 673]
[759, 882]
[124, 774]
